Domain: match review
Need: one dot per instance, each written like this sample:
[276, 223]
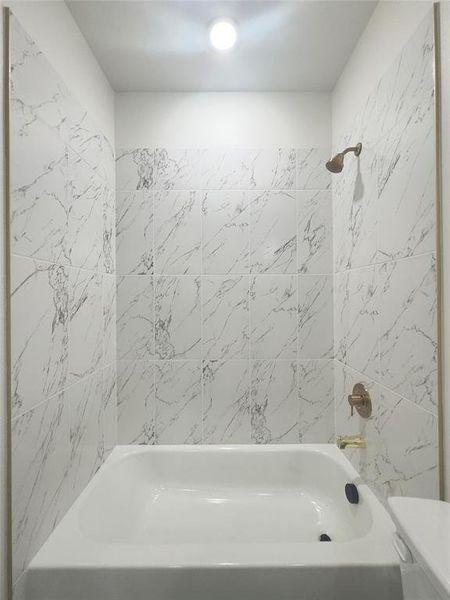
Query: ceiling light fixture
[223, 34]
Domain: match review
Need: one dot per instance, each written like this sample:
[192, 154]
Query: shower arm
[356, 149]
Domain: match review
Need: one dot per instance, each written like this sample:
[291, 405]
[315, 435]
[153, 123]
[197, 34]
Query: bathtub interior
[194, 496]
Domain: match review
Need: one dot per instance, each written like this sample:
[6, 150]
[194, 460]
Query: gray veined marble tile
[408, 329]
[136, 402]
[226, 318]
[274, 402]
[406, 91]
[356, 212]
[134, 233]
[178, 169]
[273, 232]
[247, 169]
[39, 199]
[314, 232]
[37, 92]
[178, 402]
[109, 319]
[401, 439]
[177, 233]
[311, 171]
[86, 324]
[109, 230]
[315, 316]
[225, 225]
[217, 169]
[109, 409]
[316, 398]
[273, 316]
[40, 344]
[86, 196]
[402, 449]
[135, 317]
[407, 191]
[85, 399]
[356, 320]
[40, 485]
[134, 169]
[84, 137]
[177, 317]
[226, 402]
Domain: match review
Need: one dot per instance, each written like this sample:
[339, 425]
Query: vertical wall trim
[439, 238]
[7, 299]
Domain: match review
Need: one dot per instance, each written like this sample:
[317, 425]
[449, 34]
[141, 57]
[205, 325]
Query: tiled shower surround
[63, 298]
[224, 296]
[251, 293]
[385, 313]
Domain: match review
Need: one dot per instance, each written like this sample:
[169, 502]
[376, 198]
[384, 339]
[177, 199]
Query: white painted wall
[223, 119]
[53, 28]
[445, 230]
[390, 26]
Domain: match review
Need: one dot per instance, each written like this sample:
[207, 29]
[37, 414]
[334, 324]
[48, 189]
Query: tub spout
[350, 441]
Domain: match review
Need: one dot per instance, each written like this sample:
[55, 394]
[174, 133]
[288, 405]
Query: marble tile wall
[385, 313]
[63, 297]
[224, 296]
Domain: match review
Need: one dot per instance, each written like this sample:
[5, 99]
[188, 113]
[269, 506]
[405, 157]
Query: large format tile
[408, 329]
[86, 324]
[85, 400]
[109, 409]
[135, 318]
[226, 319]
[40, 340]
[356, 319]
[401, 438]
[225, 225]
[178, 393]
[134, 233]
[315, 316]
[274, 402]
[178, 317]
[407, 191]
[314, 232]
[273, 316]
[226, 402]
[86, 192]
[39, 195]
[136, 402]
[177, 233]
[406, 91]
[134, 169]
[311, 171]
[316, 398]
[356, 211]
[40, 470]
[215, 169]
[109, 319]
[273, 233]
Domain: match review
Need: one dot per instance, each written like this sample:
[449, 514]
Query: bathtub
[220, 522]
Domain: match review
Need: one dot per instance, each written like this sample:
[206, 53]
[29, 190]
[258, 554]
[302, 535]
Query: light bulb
[223, 34]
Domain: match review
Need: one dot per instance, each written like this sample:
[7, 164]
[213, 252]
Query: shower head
[336, 164]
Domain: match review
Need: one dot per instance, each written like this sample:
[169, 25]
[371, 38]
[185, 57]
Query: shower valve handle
[360, 398]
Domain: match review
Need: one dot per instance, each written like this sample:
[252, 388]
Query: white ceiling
[163, 45]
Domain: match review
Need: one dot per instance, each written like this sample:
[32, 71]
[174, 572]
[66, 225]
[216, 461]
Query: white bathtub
[220, 522]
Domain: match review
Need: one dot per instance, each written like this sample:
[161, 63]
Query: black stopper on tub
[351, 491]
[325, 537]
